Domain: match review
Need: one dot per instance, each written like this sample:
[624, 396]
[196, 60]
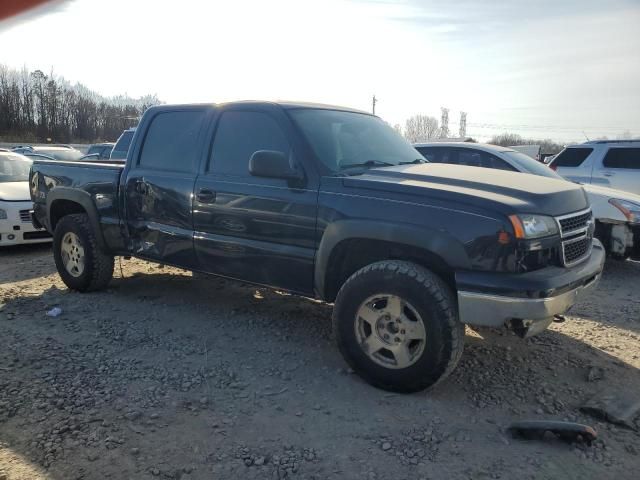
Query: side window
[436, 154]
[171, 142]
[239, 135]
[491, 161]
[572, 157]
[93, 150]
[472, 158]
[428, 153]
[628, 158]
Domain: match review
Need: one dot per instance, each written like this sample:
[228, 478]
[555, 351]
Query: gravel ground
[164, 376]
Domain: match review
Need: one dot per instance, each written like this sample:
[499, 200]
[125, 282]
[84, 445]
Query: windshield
[67, 154]
[343, 140]
[530, 165]
[122, 147]
[14, 168]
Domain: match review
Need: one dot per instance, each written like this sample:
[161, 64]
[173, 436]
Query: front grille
[25, 216]
[576, 230]
[574, 223]
[574, 250]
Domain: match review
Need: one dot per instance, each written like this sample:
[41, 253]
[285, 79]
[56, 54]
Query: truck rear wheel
[81, 264]
[396, 325]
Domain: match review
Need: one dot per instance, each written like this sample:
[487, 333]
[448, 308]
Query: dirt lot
[163, 376]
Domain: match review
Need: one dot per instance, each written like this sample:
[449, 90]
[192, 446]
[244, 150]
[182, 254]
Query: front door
[159, 187]
[257, 229]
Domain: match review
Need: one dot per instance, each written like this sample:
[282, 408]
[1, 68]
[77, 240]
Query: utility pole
[444, 123]
[373, 104]
[463, 125]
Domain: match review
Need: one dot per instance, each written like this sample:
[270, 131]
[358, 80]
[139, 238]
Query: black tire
[432, 299]
[98, 266]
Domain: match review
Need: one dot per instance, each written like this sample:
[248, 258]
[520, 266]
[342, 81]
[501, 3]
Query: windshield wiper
[368, 163]
[414, 162]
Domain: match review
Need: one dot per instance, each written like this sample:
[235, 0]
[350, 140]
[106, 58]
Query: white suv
[608, 163]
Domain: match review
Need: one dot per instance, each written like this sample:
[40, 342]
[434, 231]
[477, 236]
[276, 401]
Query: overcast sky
[546, 68]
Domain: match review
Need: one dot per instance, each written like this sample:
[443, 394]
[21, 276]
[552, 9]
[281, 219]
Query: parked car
[121, 147]
[99, 151]
[59, 152]
[339, 207]
[532, 151]
[608, 163]
[617, 213]
[15, 204]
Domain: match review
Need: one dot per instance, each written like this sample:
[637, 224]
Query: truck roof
[288, 105]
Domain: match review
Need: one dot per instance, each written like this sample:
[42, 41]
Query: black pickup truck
[329, 203]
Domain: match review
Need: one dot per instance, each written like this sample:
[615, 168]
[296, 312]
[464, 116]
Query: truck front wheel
[80, 262]
[396, 325]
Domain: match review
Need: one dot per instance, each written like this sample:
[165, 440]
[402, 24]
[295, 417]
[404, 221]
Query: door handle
[206, 196]
[140, 187]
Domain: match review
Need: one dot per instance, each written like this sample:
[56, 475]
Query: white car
[617, 213]
[15, 203]
[607, 163]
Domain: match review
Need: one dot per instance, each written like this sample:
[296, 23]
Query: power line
[549, 128]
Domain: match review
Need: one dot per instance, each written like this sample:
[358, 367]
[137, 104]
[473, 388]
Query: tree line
[35, 107]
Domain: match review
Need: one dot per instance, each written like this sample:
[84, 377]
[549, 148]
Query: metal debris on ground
[569, 431]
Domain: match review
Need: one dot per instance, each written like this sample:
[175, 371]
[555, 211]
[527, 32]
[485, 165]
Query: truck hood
[480, 188]
[14, 191]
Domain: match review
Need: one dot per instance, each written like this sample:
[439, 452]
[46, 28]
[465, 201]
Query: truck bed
[93, 185]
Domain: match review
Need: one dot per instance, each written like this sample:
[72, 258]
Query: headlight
[3, 214]
[629, 209]
[533, 226]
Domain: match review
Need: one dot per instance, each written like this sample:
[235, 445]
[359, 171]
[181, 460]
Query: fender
[83, 199]
[434, 241]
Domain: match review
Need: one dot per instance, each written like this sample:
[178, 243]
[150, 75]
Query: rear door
[159, 186]
[620, 169]
[254, 228]
[575, 163]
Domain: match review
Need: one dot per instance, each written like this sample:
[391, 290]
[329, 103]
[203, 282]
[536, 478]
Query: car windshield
[525, 162]
[345, 140]
[14, 168]
[66, 154]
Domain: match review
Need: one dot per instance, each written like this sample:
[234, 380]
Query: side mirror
[272, 164]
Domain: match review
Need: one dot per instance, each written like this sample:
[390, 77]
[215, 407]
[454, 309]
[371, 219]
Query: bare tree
[513, 139]
[38, 107]
[508, 140]
[421, 128]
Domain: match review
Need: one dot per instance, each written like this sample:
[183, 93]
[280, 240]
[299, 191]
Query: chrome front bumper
[497, 310]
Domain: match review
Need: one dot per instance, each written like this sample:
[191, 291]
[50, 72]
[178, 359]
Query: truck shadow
[161, 342]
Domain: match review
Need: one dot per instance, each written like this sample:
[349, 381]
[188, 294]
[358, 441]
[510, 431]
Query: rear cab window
[171, 141]
[572, 157]
[122, 146]
[627, 158]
